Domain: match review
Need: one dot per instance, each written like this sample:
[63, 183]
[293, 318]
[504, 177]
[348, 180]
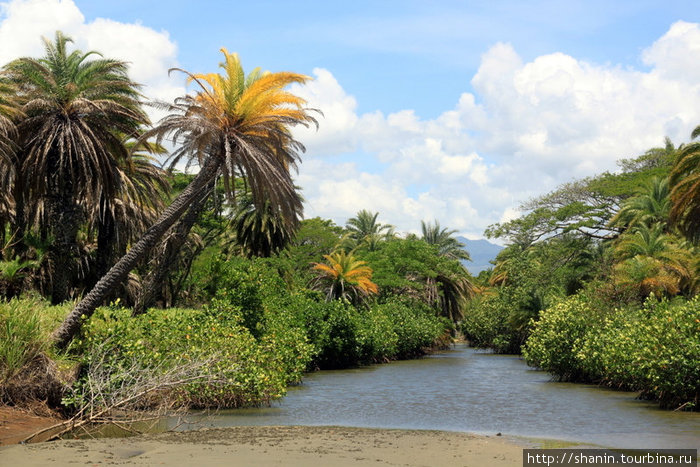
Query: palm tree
[235, 124]
[448, 246]
[685, 191]
[258, 232]
[344, 276]
[75, 109]
[652, 204]
[652, 261]
[8, 108]
[122, 218]
[364, 230]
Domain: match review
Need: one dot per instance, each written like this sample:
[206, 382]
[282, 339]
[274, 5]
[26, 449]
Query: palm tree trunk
[165, 261]
[118, 273]
[106, 241]
[65, 221]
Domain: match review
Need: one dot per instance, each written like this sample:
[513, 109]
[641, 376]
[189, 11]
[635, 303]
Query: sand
[293, 446]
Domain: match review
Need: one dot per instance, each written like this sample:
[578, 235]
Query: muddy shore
[294, 446]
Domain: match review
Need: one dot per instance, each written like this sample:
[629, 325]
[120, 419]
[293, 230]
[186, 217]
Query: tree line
[88, 211]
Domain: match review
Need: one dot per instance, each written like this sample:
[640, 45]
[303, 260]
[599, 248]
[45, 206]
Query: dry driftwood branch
[129, 389]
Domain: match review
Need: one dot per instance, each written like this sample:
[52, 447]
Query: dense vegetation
[126, 285]
[600, 279]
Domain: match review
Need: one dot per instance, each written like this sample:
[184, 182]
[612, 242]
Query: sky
[456, 111]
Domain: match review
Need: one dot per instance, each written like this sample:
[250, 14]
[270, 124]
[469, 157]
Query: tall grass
[22, 338]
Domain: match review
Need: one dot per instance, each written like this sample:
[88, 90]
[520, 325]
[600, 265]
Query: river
[474, 391]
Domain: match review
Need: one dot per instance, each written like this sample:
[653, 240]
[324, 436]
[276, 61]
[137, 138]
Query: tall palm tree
[448, 246]
[8, 133]
[344, 276]
[685, 191]
[76, 106]
[235, 125]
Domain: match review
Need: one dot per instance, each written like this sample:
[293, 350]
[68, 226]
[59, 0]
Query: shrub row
[654, 349]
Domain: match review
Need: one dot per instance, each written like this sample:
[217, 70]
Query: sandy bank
[275, 446]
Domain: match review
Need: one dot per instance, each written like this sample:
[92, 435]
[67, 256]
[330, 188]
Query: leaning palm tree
[448, 246]
[344, 276]
[234, 125]
[685, 189]
[122, 218]
[75, 106]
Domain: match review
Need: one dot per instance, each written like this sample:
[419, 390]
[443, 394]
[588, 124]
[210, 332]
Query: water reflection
[468, 390]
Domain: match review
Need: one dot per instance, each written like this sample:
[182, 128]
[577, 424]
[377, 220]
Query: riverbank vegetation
[126, 284]
[600, 278]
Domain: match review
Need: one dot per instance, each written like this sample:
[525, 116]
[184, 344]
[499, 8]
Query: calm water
[473, 391]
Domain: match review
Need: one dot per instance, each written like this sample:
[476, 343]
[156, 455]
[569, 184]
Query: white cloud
[674, 55]
[526, 128]
[150, 53]
[523, 127]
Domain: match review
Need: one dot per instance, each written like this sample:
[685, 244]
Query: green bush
[247, 372]
[556, 337]
[488, 323]
[654, 350]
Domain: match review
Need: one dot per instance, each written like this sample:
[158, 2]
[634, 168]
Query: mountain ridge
[481, 251]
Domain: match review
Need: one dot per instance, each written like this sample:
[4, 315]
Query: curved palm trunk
[118, 273]
[156, 277]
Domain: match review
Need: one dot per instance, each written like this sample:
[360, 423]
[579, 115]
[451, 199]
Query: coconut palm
[344, 276]
[448, 246]
[76, 105]
[685, 189]
[235, 125]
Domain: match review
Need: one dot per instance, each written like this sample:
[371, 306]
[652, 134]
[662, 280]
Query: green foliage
[585, 207]
[654, 349]
[343, 336]
[29, 370]
[526, 281]
[21, 337]
[416, 270]
[248, 372]
[556, 337]
[486, 324]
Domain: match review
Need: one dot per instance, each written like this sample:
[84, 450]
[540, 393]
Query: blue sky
[394, 55]
[451, 110]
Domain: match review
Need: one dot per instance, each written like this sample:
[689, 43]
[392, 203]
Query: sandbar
[293, 446]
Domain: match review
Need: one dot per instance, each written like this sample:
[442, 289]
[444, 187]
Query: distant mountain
[481, 252]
